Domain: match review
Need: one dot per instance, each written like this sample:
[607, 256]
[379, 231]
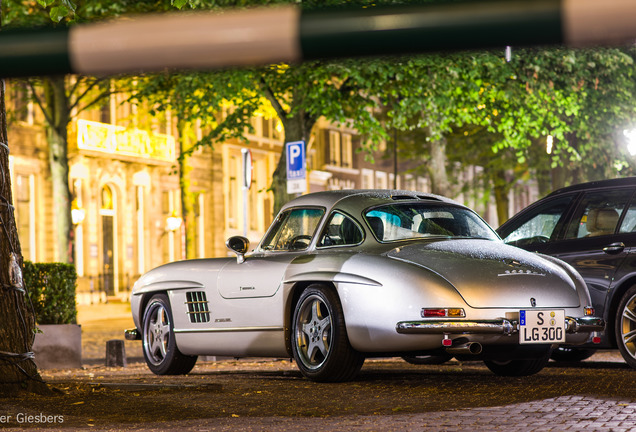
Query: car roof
[598, 184]
[359, 199]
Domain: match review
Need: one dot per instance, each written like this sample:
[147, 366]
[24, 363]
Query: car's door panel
[258, 276]
[596, 266]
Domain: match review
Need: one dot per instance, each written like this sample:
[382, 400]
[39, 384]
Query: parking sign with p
[296, 167]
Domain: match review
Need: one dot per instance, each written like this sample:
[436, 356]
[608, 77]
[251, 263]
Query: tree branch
[40, 104]
[90, 87]
[269, 94]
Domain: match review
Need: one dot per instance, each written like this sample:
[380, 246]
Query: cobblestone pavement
[561, 414]
[598, 394]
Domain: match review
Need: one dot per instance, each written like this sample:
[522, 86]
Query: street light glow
[630, 134]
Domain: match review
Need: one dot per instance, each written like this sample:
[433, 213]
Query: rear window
[406, 221]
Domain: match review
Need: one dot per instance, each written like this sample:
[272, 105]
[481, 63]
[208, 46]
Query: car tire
[569, 354]
[159, 345]
[625, 326]
[427, 359]
[519, 367]
[320, 344]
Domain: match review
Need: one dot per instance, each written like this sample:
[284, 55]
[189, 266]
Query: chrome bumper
[501, 326]
[132, 334]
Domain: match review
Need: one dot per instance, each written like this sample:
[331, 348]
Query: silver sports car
[345, 275]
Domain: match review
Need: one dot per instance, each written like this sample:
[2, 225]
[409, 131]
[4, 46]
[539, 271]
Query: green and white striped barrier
[289, 34]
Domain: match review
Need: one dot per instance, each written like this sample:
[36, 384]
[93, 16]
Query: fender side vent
[198, 307]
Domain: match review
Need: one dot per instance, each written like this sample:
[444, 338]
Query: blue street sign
[296, 167]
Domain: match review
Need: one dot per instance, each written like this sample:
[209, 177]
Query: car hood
[492, 274]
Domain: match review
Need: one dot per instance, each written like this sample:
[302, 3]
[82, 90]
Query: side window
[293, 230]
[540, 225]
[340, 231]
[629, 222]
[598, 213]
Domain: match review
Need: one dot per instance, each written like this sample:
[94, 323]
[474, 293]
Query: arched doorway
[107, 213]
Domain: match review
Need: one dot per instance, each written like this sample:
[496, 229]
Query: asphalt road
[389, 395]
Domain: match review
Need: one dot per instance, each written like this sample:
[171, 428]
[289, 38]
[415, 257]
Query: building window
[367, 179]
[171, 233]
[25, 214]
[22, 104]
[347, 151]
[78, 214]
[422, 185]
[267, 127]
[141, 250]
[334, 148]
[109, 230]
[199, 217]
[381, 181]
[234, 194]
[253, 205]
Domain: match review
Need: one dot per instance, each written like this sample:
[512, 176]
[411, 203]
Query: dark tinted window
[538, 225]
[340, 231]
[598, 213]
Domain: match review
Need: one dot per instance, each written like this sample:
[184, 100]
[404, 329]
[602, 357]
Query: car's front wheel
[320, 343]
[519, 367]
[626, 327]
[159, 346]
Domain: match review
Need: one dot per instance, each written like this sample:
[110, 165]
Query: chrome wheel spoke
[629, 337]
[314, 332]
[630, 314]
[158, 334]
[628, 327]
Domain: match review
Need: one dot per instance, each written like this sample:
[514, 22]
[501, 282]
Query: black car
[592, 226]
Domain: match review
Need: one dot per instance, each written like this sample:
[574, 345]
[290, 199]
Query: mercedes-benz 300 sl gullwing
[345, 275]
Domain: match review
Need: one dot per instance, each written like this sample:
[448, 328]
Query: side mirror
[239, 245]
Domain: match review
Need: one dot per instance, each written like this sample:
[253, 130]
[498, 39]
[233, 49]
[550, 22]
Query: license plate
[541, 326]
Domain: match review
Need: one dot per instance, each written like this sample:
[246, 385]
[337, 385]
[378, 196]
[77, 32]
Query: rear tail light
[443, 313]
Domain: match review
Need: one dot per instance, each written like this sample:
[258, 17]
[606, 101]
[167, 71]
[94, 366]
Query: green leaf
[58, 13]
[178, 3]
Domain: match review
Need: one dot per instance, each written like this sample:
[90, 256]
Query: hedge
[51, 287]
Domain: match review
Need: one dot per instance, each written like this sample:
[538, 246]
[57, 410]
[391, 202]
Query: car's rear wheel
[519, 367]
[159, 346]
[320, 343]
[570, 354]
[428, 359]
[626, 327]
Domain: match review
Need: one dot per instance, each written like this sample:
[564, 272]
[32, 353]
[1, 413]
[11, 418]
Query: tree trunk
[559, 176]
[437, 165]
[59, 117]
[502, 201]
[18, 371]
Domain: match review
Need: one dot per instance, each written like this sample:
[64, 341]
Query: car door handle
[614, 248]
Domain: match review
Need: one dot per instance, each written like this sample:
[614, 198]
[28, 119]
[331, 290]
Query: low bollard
[116, 353]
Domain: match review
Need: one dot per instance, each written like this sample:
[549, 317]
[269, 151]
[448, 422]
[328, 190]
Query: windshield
[418, 220]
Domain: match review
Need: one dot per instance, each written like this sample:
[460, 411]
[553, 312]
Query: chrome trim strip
[229, 330]
[584, 324]
[498, 326]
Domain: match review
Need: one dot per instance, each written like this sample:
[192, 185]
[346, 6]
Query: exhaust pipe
[472, 348]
